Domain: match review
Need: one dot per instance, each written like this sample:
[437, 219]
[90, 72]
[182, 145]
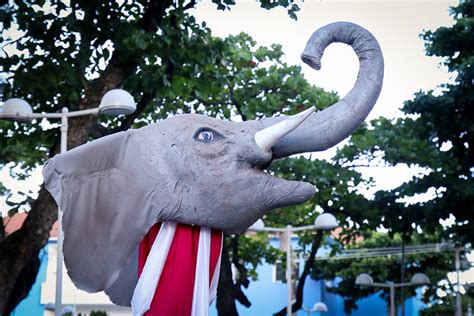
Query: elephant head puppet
[194, 169]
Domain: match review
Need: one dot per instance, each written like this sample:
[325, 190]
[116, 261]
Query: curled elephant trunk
[325, 129]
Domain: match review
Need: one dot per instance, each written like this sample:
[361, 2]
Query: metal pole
[402, 277]
[392, 299]
[59, 262]
[288, 270]
[457, 264]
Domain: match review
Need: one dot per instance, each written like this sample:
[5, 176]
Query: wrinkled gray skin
[112, 190]
[218, 184]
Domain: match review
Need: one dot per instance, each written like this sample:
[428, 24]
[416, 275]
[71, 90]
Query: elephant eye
[206, 135]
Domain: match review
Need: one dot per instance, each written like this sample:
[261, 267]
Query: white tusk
[268, 137]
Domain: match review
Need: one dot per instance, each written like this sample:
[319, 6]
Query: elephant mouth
[279, 192]
[263, 166]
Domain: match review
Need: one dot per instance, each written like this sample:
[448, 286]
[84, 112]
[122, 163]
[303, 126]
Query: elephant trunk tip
[312, 61]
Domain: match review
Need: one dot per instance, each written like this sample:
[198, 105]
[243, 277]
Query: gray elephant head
[194, 170]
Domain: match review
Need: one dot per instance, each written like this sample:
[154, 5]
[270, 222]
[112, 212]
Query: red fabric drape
[174, 294]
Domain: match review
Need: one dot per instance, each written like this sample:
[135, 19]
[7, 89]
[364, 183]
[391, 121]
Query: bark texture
[19, 251]
[225, 289]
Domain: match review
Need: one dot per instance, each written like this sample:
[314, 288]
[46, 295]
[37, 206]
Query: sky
[397, 26]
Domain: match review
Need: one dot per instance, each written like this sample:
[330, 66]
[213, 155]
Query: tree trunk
[21, 247]
[2, 231]
[307, 268]
[225, 288]
[228, 291]
[23, 284]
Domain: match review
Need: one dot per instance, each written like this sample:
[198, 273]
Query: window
[279, 272]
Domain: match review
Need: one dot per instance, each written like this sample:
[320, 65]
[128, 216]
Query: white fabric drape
[148, 281]
[200, 305]
[215, 277]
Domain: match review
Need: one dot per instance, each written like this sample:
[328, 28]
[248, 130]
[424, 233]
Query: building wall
[43, 292]
[269, 296]
[31, 304]
[373, 304]
[266, 295]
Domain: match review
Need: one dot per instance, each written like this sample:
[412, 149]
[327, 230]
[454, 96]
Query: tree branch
[190, 5]
[240, 267]
[225, 289]
[154, 14]
[141, 105]
[237, 104]
[2, 231]
[242, 280]
[98, 130]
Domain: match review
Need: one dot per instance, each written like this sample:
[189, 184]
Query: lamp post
[114, 102]
[418, 279]
[318, 307]
[324, 221]
[457, 266]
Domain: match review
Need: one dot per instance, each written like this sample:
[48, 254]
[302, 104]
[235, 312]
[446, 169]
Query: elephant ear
[109, 202]
[121, 291]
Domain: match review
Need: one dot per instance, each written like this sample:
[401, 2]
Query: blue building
[31, 305]
[267, 295]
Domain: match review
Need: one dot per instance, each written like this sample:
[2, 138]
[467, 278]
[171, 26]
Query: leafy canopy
[435, 134]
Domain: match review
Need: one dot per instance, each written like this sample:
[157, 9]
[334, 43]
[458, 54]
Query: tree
[384, 268]
[436, 134]
[447, 305]
[72, 53]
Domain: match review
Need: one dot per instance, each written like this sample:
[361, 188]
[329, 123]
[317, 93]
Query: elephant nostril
[311, 61]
